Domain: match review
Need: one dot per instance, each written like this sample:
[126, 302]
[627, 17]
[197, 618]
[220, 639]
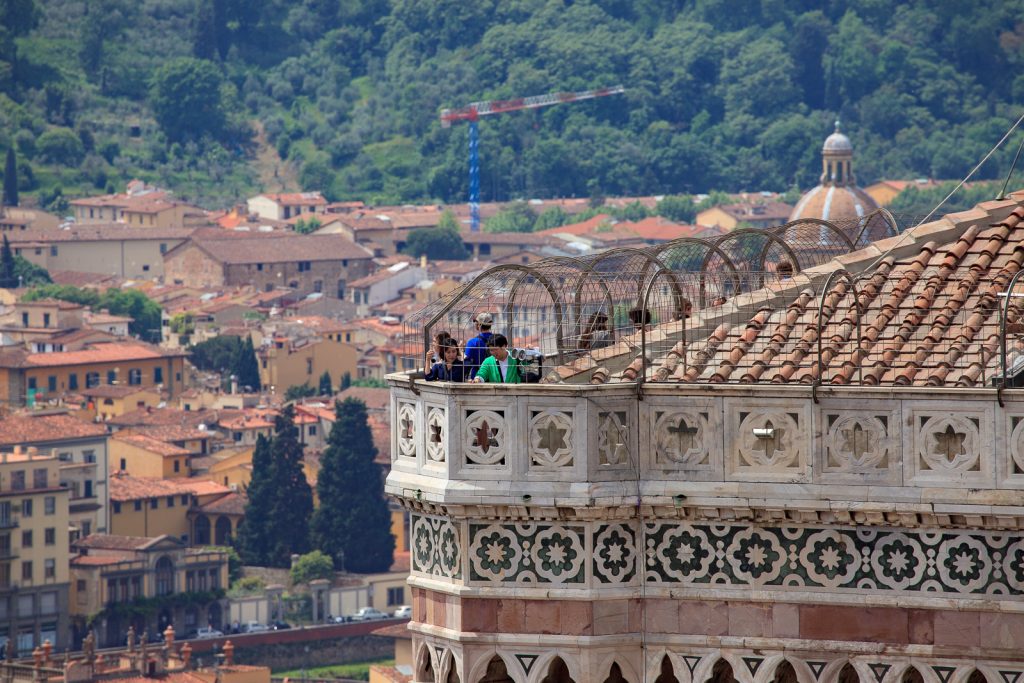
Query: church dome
[837, 198]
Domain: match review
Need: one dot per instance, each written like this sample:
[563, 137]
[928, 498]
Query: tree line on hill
[729, 94]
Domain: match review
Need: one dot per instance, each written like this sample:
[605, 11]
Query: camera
[527, 356]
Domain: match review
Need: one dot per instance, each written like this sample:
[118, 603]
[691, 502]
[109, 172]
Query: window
[138, 506]
[304, 266]
[318, 285]
[237, 436]
[135, 377]
[39, 478]
[26, 508]
[86, 527]
[485, 250]
[26, 572]
[145, 268]
[50, 569]
[164, 576]
[163, 247]
[92, 380]
[64, 456]
[89, 456]
[87, 492]
[18, 480]
[26, 539]
[396, 596]
[259, 266]
[158, 375]
[117, 508]
[153, 504]
[124, 465]
[184, 500]
[24, 319]
[50, 505]
[50, 536]
[73, 381]
[80, 585]
[177, 468]
[111, 590]
[32, 384]
[312, 430]
[309, 366]
[46, 319]
[108, 401]
[170, 499]
[111, 376]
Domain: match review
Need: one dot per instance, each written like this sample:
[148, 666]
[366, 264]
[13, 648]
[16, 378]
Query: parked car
[280, 626]
[403, 612]
[208, 632]
[254, 627]
[340, 620]
[368, 614]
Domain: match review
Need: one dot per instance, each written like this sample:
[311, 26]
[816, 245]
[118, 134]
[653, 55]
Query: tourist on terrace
[499, 367]
[476, 348]
[450, 368]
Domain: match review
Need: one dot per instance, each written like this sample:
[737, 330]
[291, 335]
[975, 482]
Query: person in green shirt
[499, 367]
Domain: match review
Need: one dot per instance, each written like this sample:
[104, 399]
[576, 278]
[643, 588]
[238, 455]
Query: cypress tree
[254, 539]
[293, 497]
[353, 523]
[10, 197]
[325, 388]
[204, 31]
[245, 367]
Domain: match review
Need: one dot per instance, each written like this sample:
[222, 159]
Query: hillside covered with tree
[196, 95]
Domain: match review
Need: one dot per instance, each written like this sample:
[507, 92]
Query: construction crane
[474, 111]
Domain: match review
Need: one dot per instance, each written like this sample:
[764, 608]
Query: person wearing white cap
[476, 348]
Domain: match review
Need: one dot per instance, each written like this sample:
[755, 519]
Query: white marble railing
[550, 444]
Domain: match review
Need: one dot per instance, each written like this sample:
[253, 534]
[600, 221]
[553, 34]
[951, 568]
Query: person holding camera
[500, 367]
[477, 347]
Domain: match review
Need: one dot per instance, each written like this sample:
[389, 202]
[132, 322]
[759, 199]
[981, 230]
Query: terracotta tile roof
[925, 315]
[115, 390]
[374, 398]
[231, 504]
[113, 542]
[285, 249]
[28, 429]
[99, 233]
[152, 417]
[174, 432]
[103, 352]
[297, 198]
[95, 561]
[393, 631]
[200, 487]
[167, 450]
[80, 279]
[124, 487]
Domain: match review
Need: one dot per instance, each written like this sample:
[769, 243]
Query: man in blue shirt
[476, 348]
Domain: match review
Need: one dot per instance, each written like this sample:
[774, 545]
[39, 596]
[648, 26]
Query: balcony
[867, 451]
[8, 522]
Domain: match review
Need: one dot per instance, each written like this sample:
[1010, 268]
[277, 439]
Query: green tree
[255, 540]
[244, 365]
[517, 217]
[325, 388]
[185, 95]
[217, 354]
[679, 208]
[293, 497]
[346, 380]
[352, 524]
[311, 566]
[443, 243]
[61, 146]
[204, 31]
[10, 197]
[8, 277]
[551, 217]
[297, 391]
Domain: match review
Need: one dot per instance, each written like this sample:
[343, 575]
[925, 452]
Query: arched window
[848, 674]
[784, 673]
[202, 532]
[668, 674]
[496, 672]
[222, 531]
[558, 672]
[912, 675]
[615, 674]
[164, 576]
[425, 667]
[977, 677]
[722, 673]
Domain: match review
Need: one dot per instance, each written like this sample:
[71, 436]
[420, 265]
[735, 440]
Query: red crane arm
[474, 111]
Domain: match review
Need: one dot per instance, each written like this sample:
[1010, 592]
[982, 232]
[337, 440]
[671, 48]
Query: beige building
[141, 455]
[285, 362]
[111, 570]
[14, 219]
[81, 448]
[141, 206]
[281, 207]
[34, 521]
[149, 507]
[106, 249]
[107, 401]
